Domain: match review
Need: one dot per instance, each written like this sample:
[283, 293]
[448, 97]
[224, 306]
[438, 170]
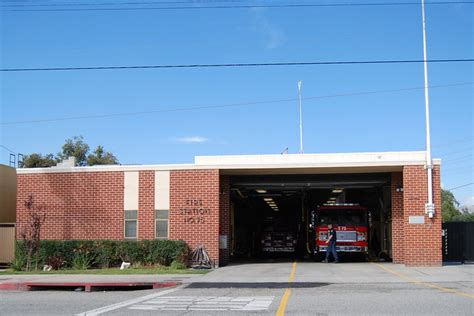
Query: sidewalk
[88, 281]
[263, 274]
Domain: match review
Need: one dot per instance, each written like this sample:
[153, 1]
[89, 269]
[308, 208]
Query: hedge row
[85, 254]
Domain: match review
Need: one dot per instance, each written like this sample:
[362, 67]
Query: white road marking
[112, 307]
[205, 303]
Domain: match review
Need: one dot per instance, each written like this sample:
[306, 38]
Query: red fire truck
[351, 223]
[279, 237]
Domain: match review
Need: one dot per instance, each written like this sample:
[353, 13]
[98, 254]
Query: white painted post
[429, 207]
[301, 118]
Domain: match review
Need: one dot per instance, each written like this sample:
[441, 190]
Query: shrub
[19, 261]
[58, 249]
[105, 253]
[56, 262]
[129, 251]
[84, 254]
[183, 254]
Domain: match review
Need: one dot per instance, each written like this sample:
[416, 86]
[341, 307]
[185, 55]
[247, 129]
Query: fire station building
[222, 202]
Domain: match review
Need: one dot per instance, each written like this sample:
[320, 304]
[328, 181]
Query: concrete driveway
[314, 272]
[275, 288]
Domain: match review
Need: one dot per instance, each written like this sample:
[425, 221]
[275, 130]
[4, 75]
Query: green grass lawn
[117, 271]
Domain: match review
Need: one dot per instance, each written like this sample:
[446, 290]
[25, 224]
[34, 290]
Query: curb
[88, 286]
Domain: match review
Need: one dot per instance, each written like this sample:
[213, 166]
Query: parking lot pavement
[205, 301]
[42, 303]
[377, 299]
[306, 288]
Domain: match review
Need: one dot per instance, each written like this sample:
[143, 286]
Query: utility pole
[429, 207]
[301, 118]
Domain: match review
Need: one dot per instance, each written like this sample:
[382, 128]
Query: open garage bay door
[272, 215]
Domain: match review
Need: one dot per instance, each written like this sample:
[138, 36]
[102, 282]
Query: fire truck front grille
[346, 236]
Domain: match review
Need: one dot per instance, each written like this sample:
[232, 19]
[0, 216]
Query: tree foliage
[39, 161]
[451, 211]
[101, 157]
[73, 147]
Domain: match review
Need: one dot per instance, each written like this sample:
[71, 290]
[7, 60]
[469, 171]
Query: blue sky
[373, 122]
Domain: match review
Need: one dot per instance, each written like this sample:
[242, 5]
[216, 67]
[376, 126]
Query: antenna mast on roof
[301, 118]
[429, 207]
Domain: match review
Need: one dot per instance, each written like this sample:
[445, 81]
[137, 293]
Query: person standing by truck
[331, 242]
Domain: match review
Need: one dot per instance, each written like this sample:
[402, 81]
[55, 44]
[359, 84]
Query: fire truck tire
[362, 257]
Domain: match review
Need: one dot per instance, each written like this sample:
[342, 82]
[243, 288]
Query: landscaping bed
[103, 257]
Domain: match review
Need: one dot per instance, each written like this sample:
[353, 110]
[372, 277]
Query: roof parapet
[70, 162]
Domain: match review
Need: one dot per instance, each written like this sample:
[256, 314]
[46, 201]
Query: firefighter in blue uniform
[331, 242]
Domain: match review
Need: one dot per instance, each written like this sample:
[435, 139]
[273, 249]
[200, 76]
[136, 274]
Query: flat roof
[279, 163]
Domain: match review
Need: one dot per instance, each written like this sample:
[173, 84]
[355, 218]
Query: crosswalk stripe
[205, 303]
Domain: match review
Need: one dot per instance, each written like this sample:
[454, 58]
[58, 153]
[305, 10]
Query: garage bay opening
[286, 216]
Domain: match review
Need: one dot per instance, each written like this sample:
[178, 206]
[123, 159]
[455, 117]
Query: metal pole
[429, 208]
[301, 118]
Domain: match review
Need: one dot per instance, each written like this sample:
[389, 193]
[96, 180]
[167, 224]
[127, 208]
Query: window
[161, 224]
[131, 224]
[342, 217]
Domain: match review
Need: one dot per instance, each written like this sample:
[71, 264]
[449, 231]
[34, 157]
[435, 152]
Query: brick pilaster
[397, 218]
[146, 205]
[224, 218]
[422, 242]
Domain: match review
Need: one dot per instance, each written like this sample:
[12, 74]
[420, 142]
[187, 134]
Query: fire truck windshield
[342, 217]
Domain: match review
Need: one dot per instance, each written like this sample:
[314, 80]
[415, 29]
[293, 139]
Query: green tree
[75, 147]
[451, 211]
[464, 216]
[38, 161]
[101, 157]
[449, 205]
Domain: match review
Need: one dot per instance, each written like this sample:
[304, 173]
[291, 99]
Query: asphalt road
[314, 289]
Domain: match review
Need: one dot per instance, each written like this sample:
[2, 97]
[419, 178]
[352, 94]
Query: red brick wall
[89, 205]
[397, 218]
[78, 205]
[224, 225]
[422, 242]
[146, 205]
[194, 209]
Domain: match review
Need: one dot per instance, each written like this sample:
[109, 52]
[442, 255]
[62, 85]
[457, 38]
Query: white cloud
[191, 139]
[469, 201]
[468, 204]
[273, 36]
